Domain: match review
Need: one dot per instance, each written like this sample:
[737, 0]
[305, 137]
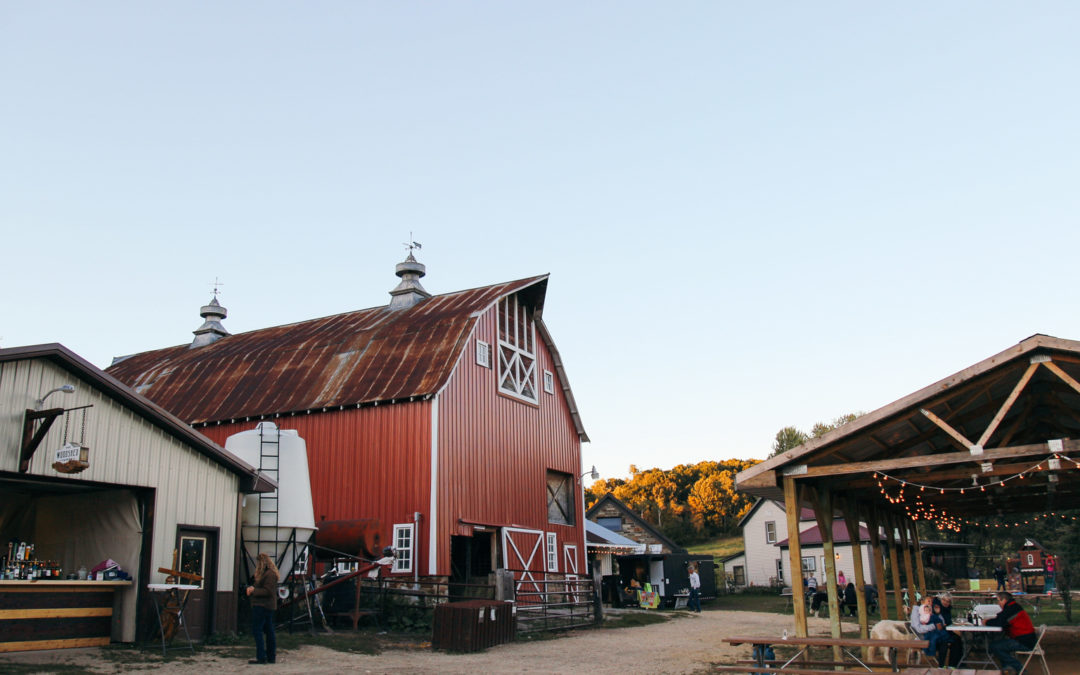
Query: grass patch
[720, 547]
[34, 668]
[633, 619]
[359, 642]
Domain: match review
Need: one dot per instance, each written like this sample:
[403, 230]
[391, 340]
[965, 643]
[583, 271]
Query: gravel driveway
[688, 643]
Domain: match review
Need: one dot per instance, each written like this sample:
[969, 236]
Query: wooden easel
[170, 613]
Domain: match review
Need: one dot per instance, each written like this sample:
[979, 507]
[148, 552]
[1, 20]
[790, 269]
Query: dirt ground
[688, 643]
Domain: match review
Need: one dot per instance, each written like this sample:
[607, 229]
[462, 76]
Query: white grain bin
[278, 523]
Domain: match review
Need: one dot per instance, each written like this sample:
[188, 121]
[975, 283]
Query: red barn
[447, 419]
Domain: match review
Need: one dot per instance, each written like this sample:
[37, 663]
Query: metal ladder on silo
[269, 463]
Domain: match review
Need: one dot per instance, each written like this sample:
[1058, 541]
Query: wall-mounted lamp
[592, 473]
[66, 388]
[837, 556]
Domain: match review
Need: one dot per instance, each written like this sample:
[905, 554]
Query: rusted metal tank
[473, 625]
[360, 538]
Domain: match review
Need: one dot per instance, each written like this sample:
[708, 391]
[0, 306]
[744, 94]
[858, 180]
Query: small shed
[90, 471]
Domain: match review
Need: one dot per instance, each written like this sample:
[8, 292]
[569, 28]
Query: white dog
[890, 630]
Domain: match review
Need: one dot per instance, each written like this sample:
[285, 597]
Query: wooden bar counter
[56, 614]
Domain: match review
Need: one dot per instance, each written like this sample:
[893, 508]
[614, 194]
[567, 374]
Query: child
[937, 636]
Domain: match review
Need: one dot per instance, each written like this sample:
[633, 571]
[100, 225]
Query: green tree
[791, 437]
[786, 439]
[822, 428]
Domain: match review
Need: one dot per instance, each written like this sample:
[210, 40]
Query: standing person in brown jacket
[263, 603]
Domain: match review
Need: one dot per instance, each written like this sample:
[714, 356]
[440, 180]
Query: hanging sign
[72, 458]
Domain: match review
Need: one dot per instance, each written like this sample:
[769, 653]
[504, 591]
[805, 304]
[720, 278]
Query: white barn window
[552, 552]
[483, 354]
[549, 382]
[517, 349]
[403, 547]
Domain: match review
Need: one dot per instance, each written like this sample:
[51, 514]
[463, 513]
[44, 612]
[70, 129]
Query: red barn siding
[371, 462]
[494, 451]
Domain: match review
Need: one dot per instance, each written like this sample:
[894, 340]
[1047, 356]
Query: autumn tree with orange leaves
[690, 502]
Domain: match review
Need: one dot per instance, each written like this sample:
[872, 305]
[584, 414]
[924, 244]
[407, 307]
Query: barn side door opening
[471, 563]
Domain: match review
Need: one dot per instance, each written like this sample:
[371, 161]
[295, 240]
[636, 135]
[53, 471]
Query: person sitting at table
[951, 648]
[871, 598]
[820, 598]
[1019, 633]
[924, 626]
[851, 604]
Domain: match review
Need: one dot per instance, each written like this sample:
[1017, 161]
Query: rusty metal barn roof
[362, 357]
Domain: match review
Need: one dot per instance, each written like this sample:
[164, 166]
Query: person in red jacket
[1019, 633]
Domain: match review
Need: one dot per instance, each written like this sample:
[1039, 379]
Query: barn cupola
[211, 331]
[409, 291]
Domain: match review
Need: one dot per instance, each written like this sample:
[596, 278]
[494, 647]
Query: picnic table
[971, 634]
[805, 643]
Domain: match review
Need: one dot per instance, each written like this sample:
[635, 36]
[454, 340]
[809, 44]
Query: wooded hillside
[690, 502]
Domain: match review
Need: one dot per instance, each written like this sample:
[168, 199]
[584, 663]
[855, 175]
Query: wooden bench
[792, 671]
[846, 645]
[775, 663]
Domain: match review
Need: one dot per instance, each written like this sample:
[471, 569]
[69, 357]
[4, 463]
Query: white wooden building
[764, 563]
[763, 526]
[151, 486]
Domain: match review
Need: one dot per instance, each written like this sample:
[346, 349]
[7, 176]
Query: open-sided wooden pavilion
[994, 439]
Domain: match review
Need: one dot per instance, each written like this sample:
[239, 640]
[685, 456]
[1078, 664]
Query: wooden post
[909, 569]
[879, 565]
[793, 506]
[894, 563]
[851, 519]
[919, 564]
[823, 512]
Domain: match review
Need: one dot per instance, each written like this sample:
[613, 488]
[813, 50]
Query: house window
[808, 564]
[739, 573]
[549, 382]
[780, 571]
[560, 498]
[403, 547]
[612, 523]
[517, 349]
[770, 532]
[552, 552]
[1031, 560]
[483, 354]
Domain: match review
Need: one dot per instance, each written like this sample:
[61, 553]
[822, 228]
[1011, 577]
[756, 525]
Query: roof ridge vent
[409, 291]
[211, 331]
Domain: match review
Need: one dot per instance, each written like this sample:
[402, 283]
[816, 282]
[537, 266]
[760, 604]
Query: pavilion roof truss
[958, 443]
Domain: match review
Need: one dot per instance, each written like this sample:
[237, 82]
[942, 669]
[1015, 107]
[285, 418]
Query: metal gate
[554, 602]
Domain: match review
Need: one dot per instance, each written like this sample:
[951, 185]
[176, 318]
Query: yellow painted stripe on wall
[53, 644]
[54, 612]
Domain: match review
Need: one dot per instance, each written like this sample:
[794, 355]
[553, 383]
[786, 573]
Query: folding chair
[920, 658]
[1037, 650]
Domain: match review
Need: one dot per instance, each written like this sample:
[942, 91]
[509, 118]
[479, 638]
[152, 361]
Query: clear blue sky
[754, 214]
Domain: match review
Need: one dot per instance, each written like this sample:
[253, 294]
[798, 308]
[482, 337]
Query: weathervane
[412, 245]
[216, 284]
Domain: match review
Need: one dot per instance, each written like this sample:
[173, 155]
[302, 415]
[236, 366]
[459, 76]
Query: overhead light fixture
[66, 388]
[592, 473]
